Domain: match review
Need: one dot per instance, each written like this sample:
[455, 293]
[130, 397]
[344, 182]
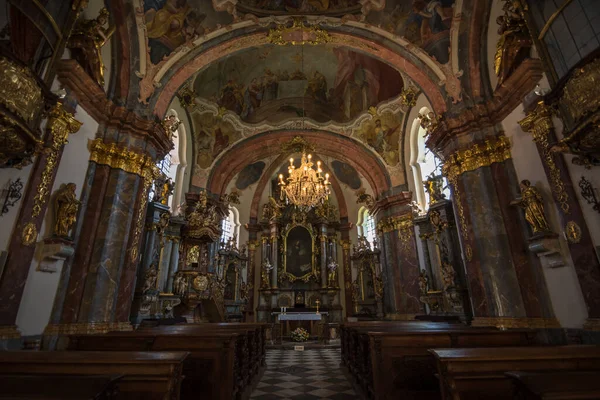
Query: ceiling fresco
[250, 175]
[346, 174]
[212, 135]
[425, 23]
[382, 133]
[282, 7]
[276, 83]
[171, 23]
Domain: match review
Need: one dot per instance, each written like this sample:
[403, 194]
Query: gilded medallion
[29, 234]
[573, 232]
[200, 283]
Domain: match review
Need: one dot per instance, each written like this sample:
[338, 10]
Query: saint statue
[532, 202]
[86, 43]
[514, 43]
[150, 280]
[332, 276]
[66, 206]
[166, 191]
[423, 282]
[434, 186]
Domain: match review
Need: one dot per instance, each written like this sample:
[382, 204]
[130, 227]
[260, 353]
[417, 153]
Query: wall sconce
[11, 195]
[588, 192]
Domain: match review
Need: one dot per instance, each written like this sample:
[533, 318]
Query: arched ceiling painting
[275, 83]
[271, 87]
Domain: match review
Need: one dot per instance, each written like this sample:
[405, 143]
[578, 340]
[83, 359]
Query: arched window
[366, 225]
[173, 167]
[231, 226]
[424, 163]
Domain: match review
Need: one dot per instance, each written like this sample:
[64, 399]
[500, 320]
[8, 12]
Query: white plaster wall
[8, 220]
[563, 285]
[185, 156]
[40, 288]
[576, 172]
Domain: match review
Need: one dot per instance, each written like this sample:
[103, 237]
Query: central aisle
[304, 375]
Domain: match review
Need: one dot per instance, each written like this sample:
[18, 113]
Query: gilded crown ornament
[305, 187]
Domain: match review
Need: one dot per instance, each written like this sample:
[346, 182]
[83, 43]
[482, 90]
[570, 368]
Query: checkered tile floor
[303, 375]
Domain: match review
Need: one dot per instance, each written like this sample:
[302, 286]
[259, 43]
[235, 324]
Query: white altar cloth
[299, 316]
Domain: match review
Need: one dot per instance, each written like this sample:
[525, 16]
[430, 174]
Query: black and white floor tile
[304, 375]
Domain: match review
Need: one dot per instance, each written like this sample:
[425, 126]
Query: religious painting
[346, 174]
[299, 260]
[321, 7]
[171, 23]
[382, 133]
[425, 23]
[212, 136]
[249, 175]
[278, 83]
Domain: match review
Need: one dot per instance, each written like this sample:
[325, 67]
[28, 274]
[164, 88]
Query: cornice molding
[93, 100]
[506, 98]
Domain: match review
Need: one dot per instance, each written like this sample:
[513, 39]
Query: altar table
[298, 316]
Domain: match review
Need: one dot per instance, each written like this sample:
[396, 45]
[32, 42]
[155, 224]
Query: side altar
[299, 262]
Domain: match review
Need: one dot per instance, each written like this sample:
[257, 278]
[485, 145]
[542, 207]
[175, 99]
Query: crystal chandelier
[305, 187]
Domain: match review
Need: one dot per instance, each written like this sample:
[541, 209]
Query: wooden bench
[146, 375]
[556, 385]
[210, 369]
[480, 373]
[59, 387]
[349, 333]
[403, 367]
[251, 353]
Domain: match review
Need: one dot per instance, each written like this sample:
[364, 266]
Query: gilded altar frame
[285, 275]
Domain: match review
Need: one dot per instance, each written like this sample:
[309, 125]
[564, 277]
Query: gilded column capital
[61, 123]
[539, 123]
[253, 244]
[120, 157]
[476, 156]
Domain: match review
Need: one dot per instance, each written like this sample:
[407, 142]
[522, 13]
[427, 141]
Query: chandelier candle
[305, 186]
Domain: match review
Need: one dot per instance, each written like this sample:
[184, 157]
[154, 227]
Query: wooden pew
[59, 387]
[402, 367]
[210, 369]
[357, 357]
[556, 385]
[146, 375]
[252, 356]
[479, 373]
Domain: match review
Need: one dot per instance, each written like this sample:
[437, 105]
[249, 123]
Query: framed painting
[298, 253]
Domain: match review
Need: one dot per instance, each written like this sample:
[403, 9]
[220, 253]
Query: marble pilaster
[274, 226]
[504, 279]
[581, 247]
[35, 201]
[400, 264]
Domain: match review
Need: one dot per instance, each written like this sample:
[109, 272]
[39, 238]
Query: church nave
[304, 375]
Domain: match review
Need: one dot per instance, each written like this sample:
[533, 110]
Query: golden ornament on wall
[29, 234]
[200, 283]
[573, 232]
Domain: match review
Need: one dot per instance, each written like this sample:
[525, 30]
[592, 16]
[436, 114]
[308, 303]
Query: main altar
[299, 265]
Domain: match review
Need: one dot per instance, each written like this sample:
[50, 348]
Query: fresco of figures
[171, 23]
[212, 136]
[425, 23]
[329, 83]
[300, 6]
[382, 133]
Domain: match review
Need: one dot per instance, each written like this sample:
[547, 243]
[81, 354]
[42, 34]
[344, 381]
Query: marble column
[251, 280]
[323, 250]
[33, 208]
[347, 271]
[400, 264]
[274, 253]
[99, 289]
[581, 247]
[173, 264]
[506, 284]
